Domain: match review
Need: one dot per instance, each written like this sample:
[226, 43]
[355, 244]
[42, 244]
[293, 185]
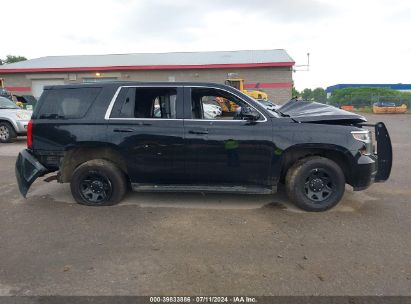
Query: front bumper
[21, 126]
[364, 173]
[27, 170]
[376, 167]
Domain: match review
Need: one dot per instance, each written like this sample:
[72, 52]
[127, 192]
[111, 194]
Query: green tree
[307, 94]
[295, 93]
[319, 95]
[368, 96]
[12, 59]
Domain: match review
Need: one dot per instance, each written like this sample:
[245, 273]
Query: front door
[222, 147]
[146, 125]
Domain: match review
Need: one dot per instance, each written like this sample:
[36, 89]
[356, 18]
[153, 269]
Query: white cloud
[350, 41]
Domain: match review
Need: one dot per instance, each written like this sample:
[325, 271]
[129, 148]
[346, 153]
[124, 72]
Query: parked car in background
[210, 111]
[13, 120]
[6, 94]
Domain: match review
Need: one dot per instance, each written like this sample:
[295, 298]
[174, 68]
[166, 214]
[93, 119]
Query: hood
[16, 113]
[306, 111]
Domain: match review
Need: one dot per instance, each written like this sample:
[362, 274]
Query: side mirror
[248, 113]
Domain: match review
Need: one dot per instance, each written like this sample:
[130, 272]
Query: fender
[341, 155]
[11, 121]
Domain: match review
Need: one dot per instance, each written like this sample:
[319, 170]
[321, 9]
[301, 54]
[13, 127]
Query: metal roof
[218, 59]
[393, 86]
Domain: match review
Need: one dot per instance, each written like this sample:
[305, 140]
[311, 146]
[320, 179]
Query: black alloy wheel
[98, 182]
[315, 183]
[95, 188]
[319, 185]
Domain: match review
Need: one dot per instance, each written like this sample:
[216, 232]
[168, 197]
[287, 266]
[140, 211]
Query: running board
[203, 188]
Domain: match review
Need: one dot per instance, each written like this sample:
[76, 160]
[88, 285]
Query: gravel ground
[191, 244]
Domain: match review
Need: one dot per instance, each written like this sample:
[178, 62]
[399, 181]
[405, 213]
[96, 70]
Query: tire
[7, 133]
[98, 182]
[315, 184]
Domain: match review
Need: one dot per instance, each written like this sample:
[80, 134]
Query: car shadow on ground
[60, 193]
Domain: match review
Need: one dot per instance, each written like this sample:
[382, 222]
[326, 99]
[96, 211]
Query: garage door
[37, 86]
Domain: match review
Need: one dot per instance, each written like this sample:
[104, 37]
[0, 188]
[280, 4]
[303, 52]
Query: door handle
[198, 131]
[124, 130]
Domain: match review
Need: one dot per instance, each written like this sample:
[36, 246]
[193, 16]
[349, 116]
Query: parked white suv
[13, 120]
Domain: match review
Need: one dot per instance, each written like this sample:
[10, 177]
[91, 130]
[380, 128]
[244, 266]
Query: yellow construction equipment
[238, 83]
[226, 105]
[381, 108]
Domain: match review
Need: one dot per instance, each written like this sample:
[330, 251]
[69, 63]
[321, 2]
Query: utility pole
[303, 67]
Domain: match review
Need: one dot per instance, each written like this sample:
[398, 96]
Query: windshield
[7, 104]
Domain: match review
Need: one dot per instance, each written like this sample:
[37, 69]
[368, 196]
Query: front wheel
[7, 133]
[98, 183]
[315, 183]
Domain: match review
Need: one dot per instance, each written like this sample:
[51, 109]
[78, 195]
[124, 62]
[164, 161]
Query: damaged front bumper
[28, 169]
[375, 167]
[384, 152]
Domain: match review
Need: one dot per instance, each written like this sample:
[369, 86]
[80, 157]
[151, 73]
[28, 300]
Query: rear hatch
[28, 169]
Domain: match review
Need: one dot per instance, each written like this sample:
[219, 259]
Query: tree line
[12, 59]
[318, 94]
[368, 96]
[354, 96]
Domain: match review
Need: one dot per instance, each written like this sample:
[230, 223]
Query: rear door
[146, 125]
[225, 149]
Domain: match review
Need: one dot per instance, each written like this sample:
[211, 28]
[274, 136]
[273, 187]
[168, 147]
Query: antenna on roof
[303, 67]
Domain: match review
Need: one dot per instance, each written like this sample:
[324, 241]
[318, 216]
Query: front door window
[214, 104]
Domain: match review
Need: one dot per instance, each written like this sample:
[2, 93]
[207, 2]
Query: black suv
[106, 138]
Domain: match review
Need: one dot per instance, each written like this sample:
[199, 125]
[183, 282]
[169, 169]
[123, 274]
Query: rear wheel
[7, 133]
[98, 183]
[315, 183]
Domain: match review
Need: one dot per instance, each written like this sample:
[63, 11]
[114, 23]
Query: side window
[214, 104]
[67, 103]
[145, 103]
[124, 106]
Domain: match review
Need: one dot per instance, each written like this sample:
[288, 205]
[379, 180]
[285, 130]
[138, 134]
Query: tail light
[30, 135]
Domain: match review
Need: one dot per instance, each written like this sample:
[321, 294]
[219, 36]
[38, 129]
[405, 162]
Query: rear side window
[67, 103]
[145, 103]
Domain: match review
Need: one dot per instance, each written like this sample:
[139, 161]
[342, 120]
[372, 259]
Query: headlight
[365, 137]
